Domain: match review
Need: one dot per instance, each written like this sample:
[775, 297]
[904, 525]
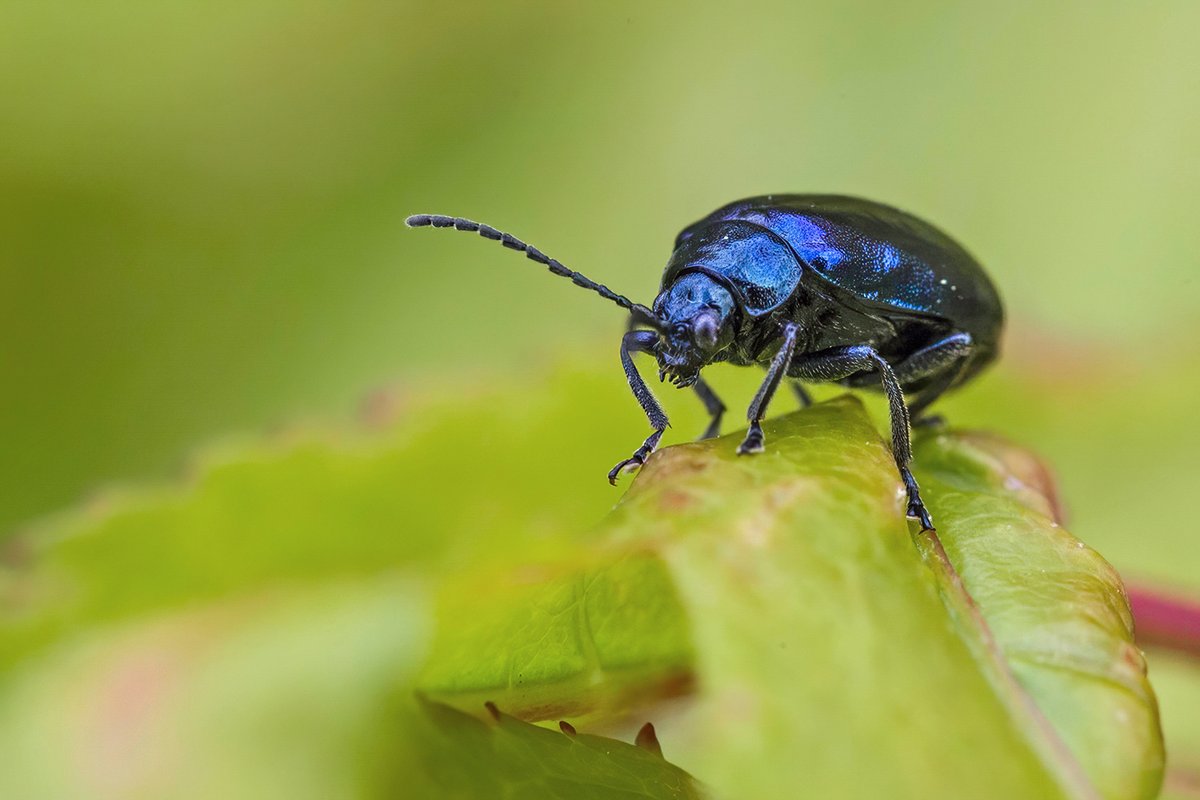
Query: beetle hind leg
[842, 362]
[942, 362]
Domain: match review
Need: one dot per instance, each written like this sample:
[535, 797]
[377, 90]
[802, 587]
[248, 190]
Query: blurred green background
[203, 202]
[201, 222]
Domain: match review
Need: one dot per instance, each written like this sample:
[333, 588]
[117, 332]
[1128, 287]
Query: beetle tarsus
[753, 443]
[637, 459]
[917, 511]
[631, 463]
[916, 507]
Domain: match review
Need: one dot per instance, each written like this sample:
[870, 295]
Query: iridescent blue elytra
[816, 288]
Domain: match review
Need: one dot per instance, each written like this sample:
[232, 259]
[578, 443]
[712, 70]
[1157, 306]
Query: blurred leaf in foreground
[563, 641]
[504, 757]
[245, 635]
[240, 633]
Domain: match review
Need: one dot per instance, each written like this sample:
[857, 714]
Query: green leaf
[1058, 625]
[563, 641]
[822, 639]
[314, 505]
[772, 616]
[468, 758]
[241, 633]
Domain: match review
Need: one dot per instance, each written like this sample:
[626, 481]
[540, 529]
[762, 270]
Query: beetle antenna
[641, 313]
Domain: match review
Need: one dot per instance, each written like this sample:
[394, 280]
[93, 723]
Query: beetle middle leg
[841, 362]
[753, 443]
[714, 407]
[640, 342]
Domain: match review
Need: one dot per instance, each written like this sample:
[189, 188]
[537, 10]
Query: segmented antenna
[640, 312]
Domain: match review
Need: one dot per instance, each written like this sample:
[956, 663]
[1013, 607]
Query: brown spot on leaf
[756, 529]
[381, 408]
[16, 553]
[676, 463]
[674, 501]
[566, 727]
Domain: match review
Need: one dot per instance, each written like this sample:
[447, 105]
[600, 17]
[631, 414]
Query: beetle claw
[917, 511]
[628, 465]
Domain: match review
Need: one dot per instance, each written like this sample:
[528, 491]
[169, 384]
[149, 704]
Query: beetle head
[695, 311]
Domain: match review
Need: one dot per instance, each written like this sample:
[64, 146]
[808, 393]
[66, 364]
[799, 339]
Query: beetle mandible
[816, 288]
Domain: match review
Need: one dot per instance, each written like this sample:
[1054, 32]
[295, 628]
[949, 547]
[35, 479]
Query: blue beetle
[816, 288]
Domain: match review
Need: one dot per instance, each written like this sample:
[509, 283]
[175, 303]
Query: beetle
[815, 288]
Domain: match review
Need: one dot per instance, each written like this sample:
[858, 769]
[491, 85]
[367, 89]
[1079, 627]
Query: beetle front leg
[640, 342]
[842, 362]
[753, 443]
[714, 406]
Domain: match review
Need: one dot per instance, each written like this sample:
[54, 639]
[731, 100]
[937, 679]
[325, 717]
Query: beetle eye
[705, 331]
